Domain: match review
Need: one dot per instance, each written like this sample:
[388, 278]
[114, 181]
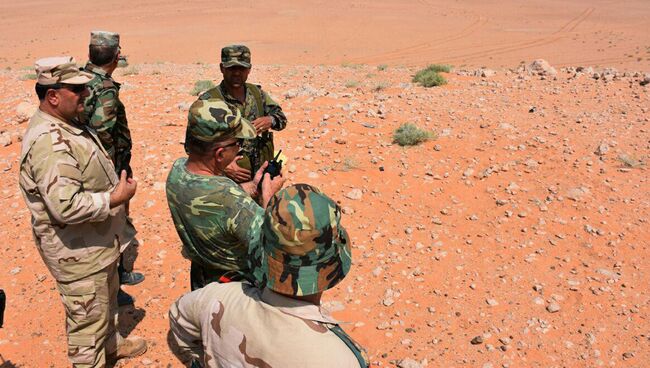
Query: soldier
[79, 221]
[216, 219]
[104, 112]
[254, 104]
[304, 251]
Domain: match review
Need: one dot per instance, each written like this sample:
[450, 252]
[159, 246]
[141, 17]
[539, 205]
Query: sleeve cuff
[101, 202]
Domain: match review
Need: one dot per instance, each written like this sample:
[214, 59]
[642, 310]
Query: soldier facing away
[254, 104]
[79, 221]
[104, 112]
[304, 252]
[216, 218]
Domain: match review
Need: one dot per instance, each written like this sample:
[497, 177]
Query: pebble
[492, 302]
[477, 340]
[354, 194]
[553, 307]
[409, 363]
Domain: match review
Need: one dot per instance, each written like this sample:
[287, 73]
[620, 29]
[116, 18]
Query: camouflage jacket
[104, 112]
[239, 325]
[215, 218]
[66, 179]
[257, 104]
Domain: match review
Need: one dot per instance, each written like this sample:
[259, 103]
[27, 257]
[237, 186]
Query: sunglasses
[235, 143]
[74, 88]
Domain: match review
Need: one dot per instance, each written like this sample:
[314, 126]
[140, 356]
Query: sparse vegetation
[122, 63]
[201, 86]
[409, 134]
[431, 77]
[382, 67]
[351, 84]
[29, 76]
[631, 162]
[380, 86]
[346, 64]
[131, 71]
[348, 164]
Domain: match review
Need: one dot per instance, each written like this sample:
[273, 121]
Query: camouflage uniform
[66, 178]
[104, 112]
[257, 103]
[214, 217]
[304, 251]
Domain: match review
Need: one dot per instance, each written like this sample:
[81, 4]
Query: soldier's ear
[52, 97]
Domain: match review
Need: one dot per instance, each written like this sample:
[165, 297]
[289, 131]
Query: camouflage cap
[104, 38]
[60, 69]
[236, 55]
[213, 121]
[304, 249]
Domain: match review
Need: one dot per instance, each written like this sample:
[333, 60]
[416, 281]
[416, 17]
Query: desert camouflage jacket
[239, 325]
[215, 218]
[66, 179]
[104, 112]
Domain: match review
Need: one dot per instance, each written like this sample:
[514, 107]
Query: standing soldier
[253, 104]
[79, 221]
[104, 112]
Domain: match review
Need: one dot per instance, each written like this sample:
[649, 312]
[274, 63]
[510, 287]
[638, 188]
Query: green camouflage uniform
[304, 251]
[104, 112]
[257, 104]
[66, 178]
[215, 218]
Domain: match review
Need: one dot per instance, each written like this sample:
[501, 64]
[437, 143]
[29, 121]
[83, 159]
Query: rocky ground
[517, 238]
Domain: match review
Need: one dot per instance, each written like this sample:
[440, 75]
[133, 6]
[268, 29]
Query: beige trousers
[91, 317]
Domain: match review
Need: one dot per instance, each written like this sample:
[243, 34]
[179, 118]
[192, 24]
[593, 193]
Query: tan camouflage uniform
[66, 179]
[238, 325]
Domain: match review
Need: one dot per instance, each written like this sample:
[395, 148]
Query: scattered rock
[409, 363]
[354, 194]
[477, 340]
[541, 67]
[553, 307]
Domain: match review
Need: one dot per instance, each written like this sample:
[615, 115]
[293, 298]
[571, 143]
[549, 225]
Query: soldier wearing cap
[304, 251]
[254, 104]
[216, 219]
[79, 221]
[104, 112]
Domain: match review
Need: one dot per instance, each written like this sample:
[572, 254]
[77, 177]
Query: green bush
[29, 76]
[410, 135]
[201, 86]
[430, 76]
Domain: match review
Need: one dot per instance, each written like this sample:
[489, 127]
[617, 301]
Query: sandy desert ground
[517, 238]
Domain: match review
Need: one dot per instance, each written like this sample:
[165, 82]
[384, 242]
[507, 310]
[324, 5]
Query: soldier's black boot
[131, 278]
[123, 298]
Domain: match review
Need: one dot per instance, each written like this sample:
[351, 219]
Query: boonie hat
[60, 69]
[304, 249]
[104, 38]
[236, 55]
[212, 121]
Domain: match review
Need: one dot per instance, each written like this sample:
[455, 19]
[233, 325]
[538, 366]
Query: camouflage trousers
[91, 317]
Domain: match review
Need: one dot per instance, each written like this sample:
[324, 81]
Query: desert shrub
[122, 63]
[29, 76]
[382, 67]
[200, 86]
[351, 84]
[410, 135]
[630, 161]
[346, 64]
[131, 71]
[348, 164]
[430, 76]
[380, 86]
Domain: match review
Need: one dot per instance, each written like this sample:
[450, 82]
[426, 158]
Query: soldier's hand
[236, 172]
[260, 172]
[262, 124]
[270, 187]
[124, 190]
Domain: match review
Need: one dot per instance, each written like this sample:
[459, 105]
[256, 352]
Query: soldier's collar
[95, 69]
[70, 127]
[296, 308]
[226, 95]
